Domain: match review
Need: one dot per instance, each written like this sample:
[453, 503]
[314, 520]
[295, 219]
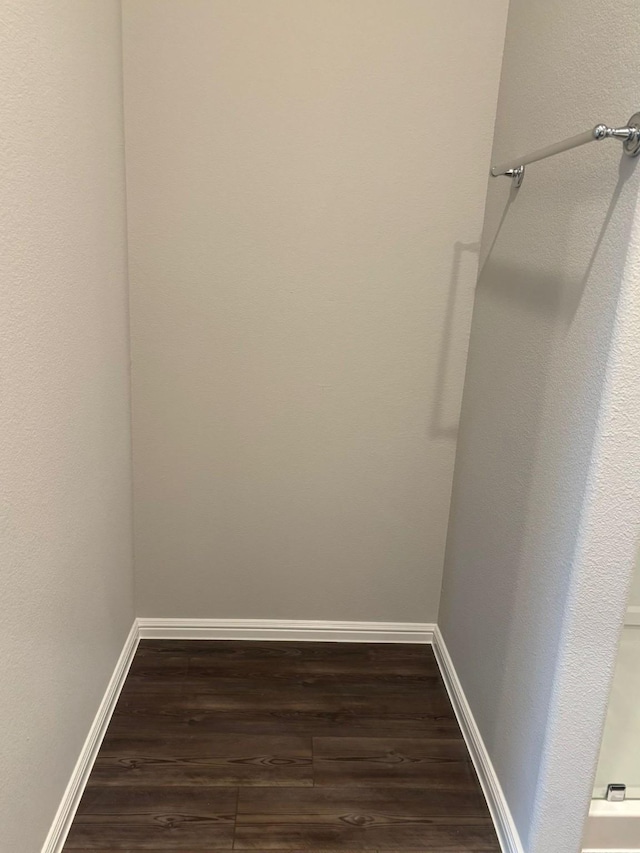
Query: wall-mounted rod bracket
[517, 176]
[628, 135]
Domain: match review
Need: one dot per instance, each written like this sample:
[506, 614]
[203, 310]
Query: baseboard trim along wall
[613, 827]
[505, 826]
[633, 616]
[61, 825]
[285, 629]
[278, 629]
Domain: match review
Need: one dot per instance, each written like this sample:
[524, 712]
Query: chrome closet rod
[629, 136]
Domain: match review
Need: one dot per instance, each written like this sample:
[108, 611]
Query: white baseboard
[633, 616]
[61, 825]
[285, 629]
[613, 827]
[505, 826]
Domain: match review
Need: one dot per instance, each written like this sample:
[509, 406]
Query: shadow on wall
[445, 411]
[529, 423]
[625, 170]
[571, 288]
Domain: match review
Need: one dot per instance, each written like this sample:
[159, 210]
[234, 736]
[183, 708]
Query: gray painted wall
[66, 545]
[303, 253]
[544, 514]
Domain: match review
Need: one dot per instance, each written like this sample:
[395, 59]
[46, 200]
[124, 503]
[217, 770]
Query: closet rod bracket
[631, 144]
[516, 175]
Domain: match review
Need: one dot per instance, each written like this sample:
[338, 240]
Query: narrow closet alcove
[320, 458]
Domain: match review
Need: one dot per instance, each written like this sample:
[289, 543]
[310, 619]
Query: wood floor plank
[434, 702]
[408, 762]
[141, 759]
[284, 648]
[162, 666]
[204, 681]
[291, 667]
[307, 723]
[400, 802]
[371, 831]
[158, 818]
[233, 747]
[171, 832]
[287, 662]
[262, 770]
[287, 713]
[134, 802]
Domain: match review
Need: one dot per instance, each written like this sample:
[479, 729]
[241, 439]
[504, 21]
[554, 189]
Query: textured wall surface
[65, 544]
[303, 251]
[545, 508]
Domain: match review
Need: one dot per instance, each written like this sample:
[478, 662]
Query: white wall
[303, 232]
[544, 515]
[65, 548]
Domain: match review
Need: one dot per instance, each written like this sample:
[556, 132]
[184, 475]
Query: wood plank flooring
[230, 746]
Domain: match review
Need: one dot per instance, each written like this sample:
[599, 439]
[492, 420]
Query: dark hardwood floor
[220, 746]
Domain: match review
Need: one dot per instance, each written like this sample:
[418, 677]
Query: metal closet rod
[629, 136]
